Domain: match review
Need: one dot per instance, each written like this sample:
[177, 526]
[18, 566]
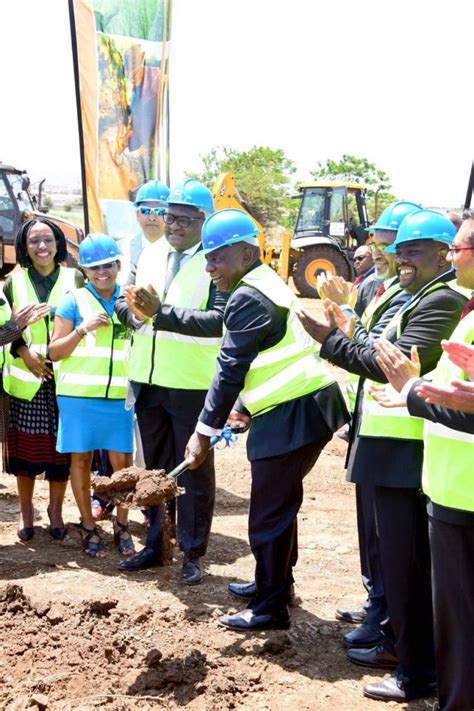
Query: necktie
[468, 307]
[174, 263]
[380, 291]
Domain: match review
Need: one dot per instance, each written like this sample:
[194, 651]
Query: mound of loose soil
[134, 487]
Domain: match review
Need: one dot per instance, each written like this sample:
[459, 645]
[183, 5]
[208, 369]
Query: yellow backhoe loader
[330, 226]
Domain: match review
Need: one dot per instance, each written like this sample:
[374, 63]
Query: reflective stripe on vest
[291, 368]
[369, 319]
[19, 381]
[448, 464]
[98, 366]
[396, 423]
[175, 360]
[376, 305]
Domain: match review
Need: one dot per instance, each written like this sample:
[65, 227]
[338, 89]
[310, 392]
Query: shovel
[229, 435]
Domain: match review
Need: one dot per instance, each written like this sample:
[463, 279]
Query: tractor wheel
[318, 260]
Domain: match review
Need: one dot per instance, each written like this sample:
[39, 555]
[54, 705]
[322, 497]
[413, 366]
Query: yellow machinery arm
[225, 194]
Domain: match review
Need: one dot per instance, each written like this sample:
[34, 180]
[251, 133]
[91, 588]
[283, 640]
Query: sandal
[92, 548]
[123, 539]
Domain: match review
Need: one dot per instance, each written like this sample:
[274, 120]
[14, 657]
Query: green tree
[263, 177]
[47, 202]
[356, 169]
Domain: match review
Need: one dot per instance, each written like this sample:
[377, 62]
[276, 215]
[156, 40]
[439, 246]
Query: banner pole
[75, 59]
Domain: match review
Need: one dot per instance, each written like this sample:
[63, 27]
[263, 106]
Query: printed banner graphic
[121, 53]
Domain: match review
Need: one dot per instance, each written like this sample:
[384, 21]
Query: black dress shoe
[191, 573]
[355, 617]
[248, 621]
[243, 591]
[147, 558]
[375, 657]
[25, 534]
[396, 688]
[248, 591]
[363, 636]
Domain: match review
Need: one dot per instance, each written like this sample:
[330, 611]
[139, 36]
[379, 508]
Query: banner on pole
[121, 53]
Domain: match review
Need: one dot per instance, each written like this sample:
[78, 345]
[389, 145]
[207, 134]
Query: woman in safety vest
[28, 376]
[11, 326]
[92, 347]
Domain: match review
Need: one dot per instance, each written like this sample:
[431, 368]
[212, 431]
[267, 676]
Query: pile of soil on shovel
[134, 487]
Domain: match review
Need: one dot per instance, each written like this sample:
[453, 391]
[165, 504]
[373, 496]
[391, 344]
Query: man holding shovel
[270, 363]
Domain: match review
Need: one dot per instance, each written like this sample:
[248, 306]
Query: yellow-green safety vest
[98, 366]
[175, 360]
[368, 320]
[448, 464]
[291, 368]
[19, 381]
[396, 423]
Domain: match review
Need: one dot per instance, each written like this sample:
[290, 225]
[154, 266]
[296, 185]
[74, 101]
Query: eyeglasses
[156, 211]
[181, 220]
[96, 267]
[455, 250]
[359, 259]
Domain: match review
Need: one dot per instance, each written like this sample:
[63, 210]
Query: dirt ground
[79, 634]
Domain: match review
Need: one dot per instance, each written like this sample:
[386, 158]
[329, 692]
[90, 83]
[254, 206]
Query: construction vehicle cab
[17, 204]
[329, 228]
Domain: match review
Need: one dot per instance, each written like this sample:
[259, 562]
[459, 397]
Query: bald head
[363, 260]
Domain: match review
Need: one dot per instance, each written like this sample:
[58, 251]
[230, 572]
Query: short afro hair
[22, 257]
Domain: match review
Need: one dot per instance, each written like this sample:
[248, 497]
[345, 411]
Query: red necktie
[380, 291]
[468, 307]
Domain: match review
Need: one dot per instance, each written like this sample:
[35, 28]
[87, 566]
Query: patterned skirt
[31, 437]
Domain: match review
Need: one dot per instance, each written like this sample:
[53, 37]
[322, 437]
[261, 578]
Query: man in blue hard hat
[448, 478]
[150, 204]
[176, 313]
[385, 303]
[387, 451]
[270, 364]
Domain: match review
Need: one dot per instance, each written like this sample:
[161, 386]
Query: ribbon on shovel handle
[227, 436]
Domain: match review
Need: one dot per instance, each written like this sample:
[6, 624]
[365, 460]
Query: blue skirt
[87, 423]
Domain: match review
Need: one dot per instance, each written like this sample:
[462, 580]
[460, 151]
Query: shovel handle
[174, 474]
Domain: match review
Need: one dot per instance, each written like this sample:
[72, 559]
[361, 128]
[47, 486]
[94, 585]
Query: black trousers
[452, 550]
[275, 499]
[402, 525]
[165, 428]
[369, 554]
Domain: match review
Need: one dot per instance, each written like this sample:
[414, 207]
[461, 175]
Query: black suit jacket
[253, 323]
[395, 462]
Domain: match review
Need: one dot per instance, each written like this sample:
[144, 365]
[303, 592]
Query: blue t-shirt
[69, 310]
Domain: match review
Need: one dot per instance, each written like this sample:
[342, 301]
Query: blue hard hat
[425, 225]
[98, 249]
[193, 193]
[227, 227]
[152, 191]
[393, 215]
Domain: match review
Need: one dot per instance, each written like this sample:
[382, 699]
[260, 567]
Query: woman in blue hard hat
[92, 347]
[28, 376]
